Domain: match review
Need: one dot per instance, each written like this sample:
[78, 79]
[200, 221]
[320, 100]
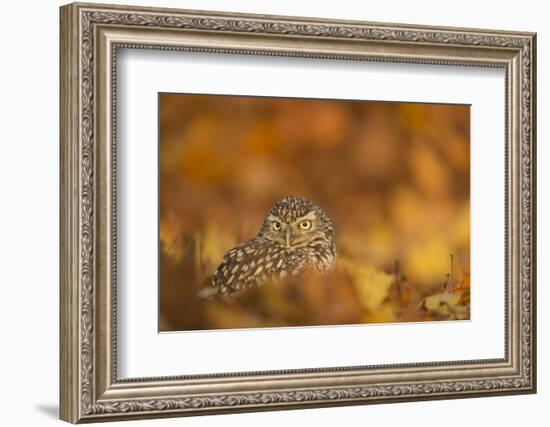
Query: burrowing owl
[296, 236]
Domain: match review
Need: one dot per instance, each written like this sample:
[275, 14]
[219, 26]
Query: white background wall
[29, 171]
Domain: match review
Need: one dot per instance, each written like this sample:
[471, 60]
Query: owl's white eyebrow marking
[274, 218]
[309, 216]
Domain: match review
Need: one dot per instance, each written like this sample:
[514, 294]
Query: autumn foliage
[394, 178]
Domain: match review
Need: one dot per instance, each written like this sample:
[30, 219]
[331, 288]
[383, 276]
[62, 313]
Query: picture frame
[91, 37]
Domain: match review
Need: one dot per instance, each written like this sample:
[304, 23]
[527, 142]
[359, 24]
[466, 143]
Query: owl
[297, 236]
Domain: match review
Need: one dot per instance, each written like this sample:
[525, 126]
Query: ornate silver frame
[90, 36]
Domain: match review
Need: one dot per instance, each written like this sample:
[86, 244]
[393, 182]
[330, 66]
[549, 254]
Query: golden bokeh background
[394, 178]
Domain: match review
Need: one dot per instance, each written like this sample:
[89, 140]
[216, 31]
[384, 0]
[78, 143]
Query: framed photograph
[265, 212]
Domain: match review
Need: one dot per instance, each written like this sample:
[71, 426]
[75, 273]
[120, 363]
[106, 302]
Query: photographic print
[279, 212]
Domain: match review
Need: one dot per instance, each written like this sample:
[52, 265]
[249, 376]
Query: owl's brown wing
[255, 263]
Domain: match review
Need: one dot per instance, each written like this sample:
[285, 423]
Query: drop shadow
[50, 410]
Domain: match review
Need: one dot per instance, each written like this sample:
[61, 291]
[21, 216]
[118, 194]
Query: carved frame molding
[90, 37]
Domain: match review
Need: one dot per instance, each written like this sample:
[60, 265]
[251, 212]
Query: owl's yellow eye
[276, 225]
[305, 225]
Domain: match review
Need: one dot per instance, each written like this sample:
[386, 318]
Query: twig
[446, 281]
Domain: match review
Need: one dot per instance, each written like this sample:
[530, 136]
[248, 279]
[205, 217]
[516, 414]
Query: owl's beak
[287, 237]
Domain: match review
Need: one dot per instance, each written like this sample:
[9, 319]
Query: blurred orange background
[393, 177]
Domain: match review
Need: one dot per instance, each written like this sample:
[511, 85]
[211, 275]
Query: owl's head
[295, 222]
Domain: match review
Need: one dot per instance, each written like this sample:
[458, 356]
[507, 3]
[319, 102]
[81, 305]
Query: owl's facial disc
[294, 234]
